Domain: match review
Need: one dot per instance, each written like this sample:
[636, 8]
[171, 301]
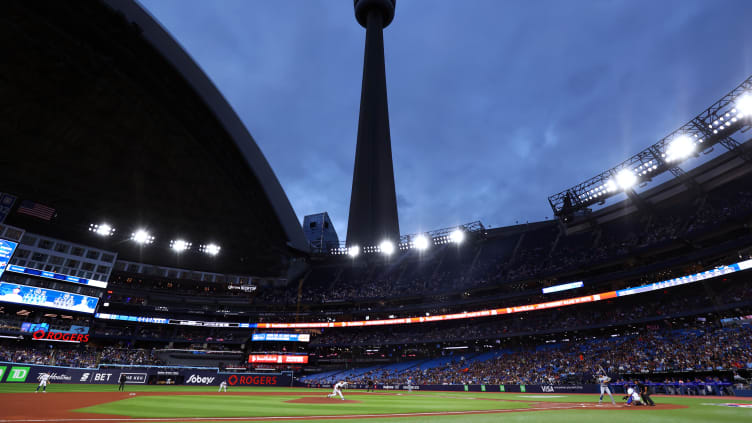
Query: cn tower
[373, 202]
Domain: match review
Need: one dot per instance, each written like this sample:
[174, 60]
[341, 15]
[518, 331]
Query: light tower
[373, 203]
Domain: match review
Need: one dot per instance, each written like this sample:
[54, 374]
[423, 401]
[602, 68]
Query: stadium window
[326, 225]
[28, 240]
[22, 253]
[56, 260]
[45, 243]
[87, 266]
[109, 258]
[78, 251]
[312, 225]
[72, 263]
[94, 255]
[39, 257]
[61, 248]
[103, 269]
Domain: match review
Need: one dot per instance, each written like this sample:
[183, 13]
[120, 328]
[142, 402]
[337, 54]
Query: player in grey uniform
[603, 380]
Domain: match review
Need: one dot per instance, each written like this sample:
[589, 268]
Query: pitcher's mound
[320, 400]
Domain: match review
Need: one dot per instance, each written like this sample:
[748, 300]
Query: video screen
[6, 252]
[42, 297]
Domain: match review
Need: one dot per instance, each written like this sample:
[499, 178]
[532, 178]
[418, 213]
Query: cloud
[494, 106]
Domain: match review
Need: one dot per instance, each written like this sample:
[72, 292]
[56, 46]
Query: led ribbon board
[287, 337]
[278, 359]
[562, 287]
[669, 283]
[57, 276]
[43, 297]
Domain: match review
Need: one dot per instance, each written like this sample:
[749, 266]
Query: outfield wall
[138, 375]
[536, 389]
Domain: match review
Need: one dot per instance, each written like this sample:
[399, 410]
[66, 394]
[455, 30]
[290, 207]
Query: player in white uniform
[337, 390]
[603, 381]
[223, 386]
[634, 397]
[44, 378]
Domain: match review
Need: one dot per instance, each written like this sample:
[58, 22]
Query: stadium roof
[107, 119]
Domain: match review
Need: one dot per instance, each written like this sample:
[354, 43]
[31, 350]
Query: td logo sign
[17, 374]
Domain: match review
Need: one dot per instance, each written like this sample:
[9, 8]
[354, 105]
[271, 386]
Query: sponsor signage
[134, 377]
[292, 337]
[17, 374]
[2, 372]
[248, 380]
[195, 379]
[278, 358]
[42, 335]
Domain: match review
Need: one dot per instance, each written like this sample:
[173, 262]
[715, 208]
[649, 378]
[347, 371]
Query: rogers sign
[42, 335]
[235, 380]
[278, 358]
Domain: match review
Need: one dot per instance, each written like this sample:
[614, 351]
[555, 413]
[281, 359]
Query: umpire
[645, 394]
[121, 380]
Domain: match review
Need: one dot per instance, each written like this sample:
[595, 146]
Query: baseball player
[223, 386]
[634, 397]
[121, 381]
[603, 380]
[44, 379]
[409, 384]
[337, 390]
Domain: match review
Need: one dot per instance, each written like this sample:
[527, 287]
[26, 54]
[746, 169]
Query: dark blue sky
[494, 105]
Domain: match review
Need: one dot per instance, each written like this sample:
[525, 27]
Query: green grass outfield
[224, 406]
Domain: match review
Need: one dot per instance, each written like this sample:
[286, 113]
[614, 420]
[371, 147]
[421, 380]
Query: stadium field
[102, 403]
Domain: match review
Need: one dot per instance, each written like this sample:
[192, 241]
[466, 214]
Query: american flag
[35, 209]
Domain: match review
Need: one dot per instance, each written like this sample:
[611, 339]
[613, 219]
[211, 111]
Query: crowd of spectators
[643, 352]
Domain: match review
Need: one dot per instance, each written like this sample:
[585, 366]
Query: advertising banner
[30, 373]
[278, 358]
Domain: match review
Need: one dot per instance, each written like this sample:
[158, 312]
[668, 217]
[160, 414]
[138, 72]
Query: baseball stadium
[153, 268]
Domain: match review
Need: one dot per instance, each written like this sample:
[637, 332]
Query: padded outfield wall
[139, 375]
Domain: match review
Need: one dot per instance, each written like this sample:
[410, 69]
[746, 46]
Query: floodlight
[180, 245]
[353, 251]
[420, 242]
[457, 236]
[386, 247]
[626, 179]
[211, 249]
[680, 148]
[102, 229]
[141, 236]
[744, 105]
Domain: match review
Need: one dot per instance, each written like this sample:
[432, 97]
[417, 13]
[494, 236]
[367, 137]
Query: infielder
[603, 380]
[223, 386]
[43, 381]
[337, 390]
